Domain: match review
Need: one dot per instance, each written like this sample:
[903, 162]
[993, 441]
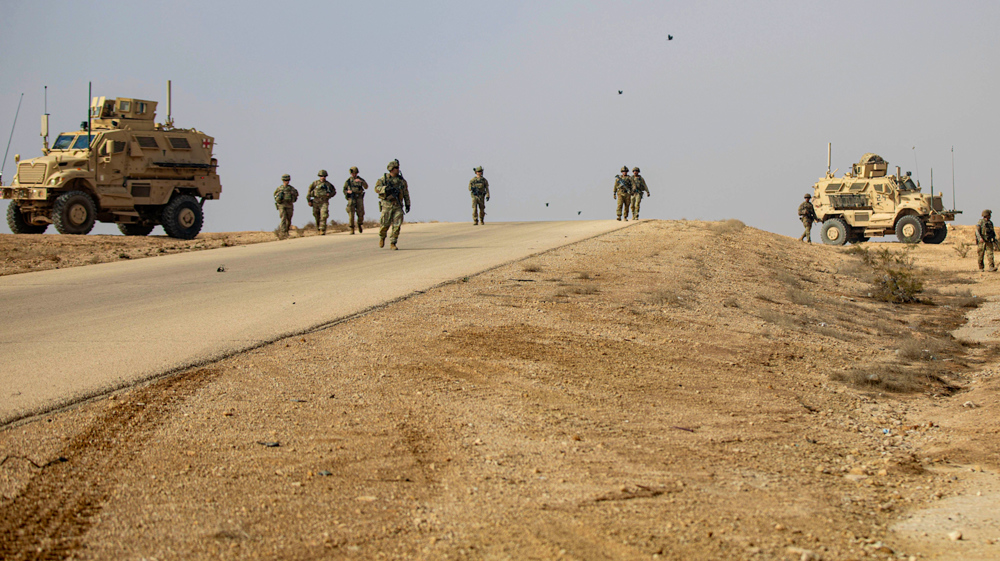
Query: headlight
[53, 181]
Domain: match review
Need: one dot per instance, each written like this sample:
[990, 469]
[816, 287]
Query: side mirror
[17, 158]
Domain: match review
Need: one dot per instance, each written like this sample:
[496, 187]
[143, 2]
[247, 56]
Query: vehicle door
[111, 162]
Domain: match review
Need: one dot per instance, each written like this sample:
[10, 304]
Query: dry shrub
[664, 297]
[731, 302]
[531, 268]
[912, 349]
[800, 297]
[731, 226]
[834, 333]
[779, 319]
[583, 289]
[894, 278]
[583, 275]
[965, 299]
[885, 377]
[962, 248]
[310, 226]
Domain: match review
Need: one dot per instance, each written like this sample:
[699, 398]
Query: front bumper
[24, 193]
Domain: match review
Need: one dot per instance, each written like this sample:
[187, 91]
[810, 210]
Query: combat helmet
[393, 165]
[322, 173]
[624, 169]
[808, 196]
[477, 169]
[635, 170]
[354, 169]
[286, 177]
[987, 213]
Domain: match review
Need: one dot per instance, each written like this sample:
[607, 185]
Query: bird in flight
[619, 92]
[670, 37]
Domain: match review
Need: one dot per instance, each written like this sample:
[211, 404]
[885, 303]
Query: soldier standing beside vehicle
[986, 239]
[354, 190]
[638, 186]
[480, 190]
[807, 214]
[393, 194]
[623, 192]
[319, 195]
[284, 200]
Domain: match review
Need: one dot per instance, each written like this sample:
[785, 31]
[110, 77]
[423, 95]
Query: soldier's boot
[361, 229]
[619, 218]
[392, 245]
[475, 223]
[381, 242]
[483, 220]
[352, 230]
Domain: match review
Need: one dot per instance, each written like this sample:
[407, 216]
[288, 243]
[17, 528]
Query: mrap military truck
[119, 167]
[866, 202]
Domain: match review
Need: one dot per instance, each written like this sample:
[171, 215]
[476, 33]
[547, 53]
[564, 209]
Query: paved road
[73, 333]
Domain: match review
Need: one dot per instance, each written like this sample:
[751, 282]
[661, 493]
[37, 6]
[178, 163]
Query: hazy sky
[730, 119]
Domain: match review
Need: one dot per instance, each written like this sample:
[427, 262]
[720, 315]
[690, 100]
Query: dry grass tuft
[912, 349]
[583, 275]
[731, 302]
[731, 226]
[779, 319]
[583, 289]
[800, 297]
[885, 377]
[310, 226]
[531, 268]
[664, 297]
[962, 248]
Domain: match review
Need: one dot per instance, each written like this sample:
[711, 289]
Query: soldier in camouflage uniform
[480, 190]
[319, 195]
[354, 191]
[808, 215]
[638, 186]
[986, 239]
[393, 194]
[284, 200]
[623, 192]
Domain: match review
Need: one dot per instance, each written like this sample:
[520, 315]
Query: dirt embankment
[27, 253]
[673, 390]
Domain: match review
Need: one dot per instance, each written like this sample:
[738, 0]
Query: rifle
[394, 193]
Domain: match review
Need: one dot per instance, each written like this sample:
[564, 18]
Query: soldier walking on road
[638, 186]
[393, 194]
[284, 200]
[808, 215]
[354, 191]
[319, 195]
[986, 239]
[480, 190]
[623, 192]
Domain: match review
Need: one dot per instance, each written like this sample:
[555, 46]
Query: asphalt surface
[70, 334]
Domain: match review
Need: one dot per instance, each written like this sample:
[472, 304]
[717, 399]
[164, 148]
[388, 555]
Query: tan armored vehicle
[866, 203]
[122, 168]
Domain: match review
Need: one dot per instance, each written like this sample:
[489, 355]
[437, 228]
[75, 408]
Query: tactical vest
[478, 186]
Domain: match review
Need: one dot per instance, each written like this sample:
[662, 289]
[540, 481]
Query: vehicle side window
[878, 188]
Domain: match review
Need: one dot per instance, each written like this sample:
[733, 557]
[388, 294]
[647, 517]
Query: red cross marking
[206, 144]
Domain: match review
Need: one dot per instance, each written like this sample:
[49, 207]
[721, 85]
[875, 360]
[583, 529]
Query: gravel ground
[673, 390]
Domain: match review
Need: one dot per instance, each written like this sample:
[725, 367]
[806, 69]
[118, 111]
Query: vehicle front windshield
[81, 142]
[909, 185]
[63, 142]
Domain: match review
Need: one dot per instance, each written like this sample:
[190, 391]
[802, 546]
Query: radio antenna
[916, 168]
[11, 137]
[953, 204]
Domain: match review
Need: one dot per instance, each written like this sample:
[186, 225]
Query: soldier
[623, 192]
[480, 190]
[393, 194]
[638, 186]
[354, 190]
[284, 200]
[986, 239]
[807, 214]
[319, 195]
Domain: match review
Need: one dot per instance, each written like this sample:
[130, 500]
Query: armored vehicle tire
[135, 229]
[74, 213]
[938, 236]
[17, 223]
[182, 217]
[910, 229]
[833, 231]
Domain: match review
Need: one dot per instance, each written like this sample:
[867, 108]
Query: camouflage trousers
[321, 213]
[285, 212]
[808, 224]
[636, 203]
[985, 250]
[478, 209]
[392, 216]
[355, 208]
[624, 202]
